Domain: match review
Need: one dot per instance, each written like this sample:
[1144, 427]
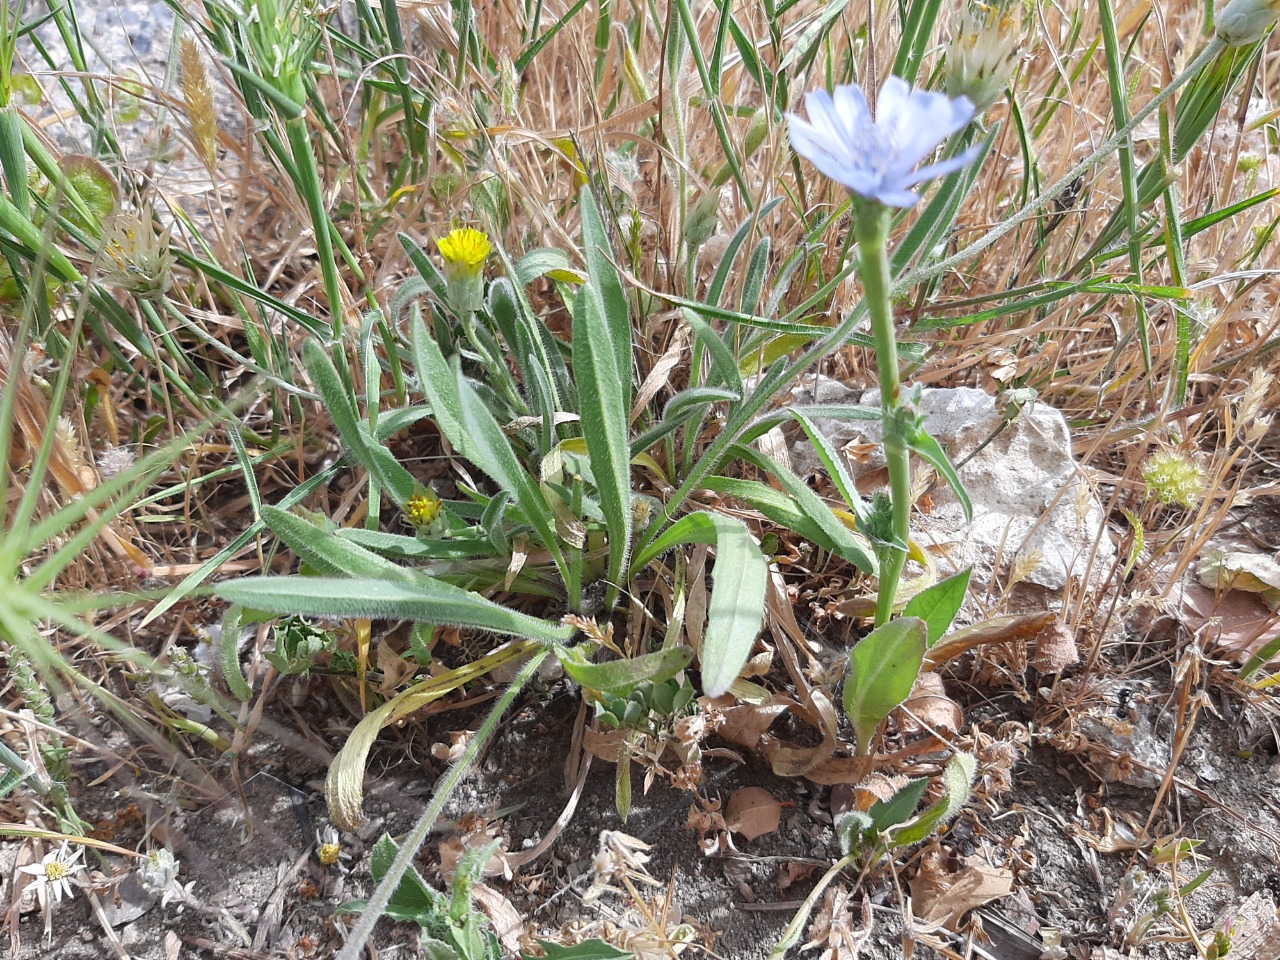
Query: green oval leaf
[937, 605]
[883, 667]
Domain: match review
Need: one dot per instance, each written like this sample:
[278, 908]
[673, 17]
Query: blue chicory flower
[877, 158]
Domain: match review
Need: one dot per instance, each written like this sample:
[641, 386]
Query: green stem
[310, 187]
[871, 225]
[359, 936]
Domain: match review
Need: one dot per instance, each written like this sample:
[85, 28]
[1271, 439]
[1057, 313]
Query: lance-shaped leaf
[492, 452]
[604, 408]
[619, 675]
[738, 577]
[938, 604]
[364, 446]
[432, 601]
[883, 667]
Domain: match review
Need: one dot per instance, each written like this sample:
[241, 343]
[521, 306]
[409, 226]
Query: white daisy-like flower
[879, 157]
[53, 873]
[329, 848]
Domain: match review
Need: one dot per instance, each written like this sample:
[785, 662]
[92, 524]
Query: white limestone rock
[1031, 504]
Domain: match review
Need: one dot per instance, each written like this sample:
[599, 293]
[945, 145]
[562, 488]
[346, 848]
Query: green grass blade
[429, 601]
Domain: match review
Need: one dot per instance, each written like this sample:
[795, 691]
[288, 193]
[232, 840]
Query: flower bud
[1243, 22]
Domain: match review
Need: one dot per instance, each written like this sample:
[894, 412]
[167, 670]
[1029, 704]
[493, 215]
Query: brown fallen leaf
[942, 894]
[928, 708]
[1234, 621]
[604, 744]
[506, 920]
[1011, 629]
[791, 873]
[1055, 648]
[745, 724]
[752, 812]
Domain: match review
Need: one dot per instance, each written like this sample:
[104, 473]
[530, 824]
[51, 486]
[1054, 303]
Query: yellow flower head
[464, 250]
[423, 509]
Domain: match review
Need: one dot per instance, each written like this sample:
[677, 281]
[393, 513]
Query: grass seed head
[1173, 477]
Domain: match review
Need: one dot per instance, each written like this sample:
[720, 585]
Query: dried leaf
[753, 812]
[747, 723]
[929, 708]
[1055, 648]
[605, 744]
[942, 895]
[1235, 621]
[1011, 629]
[1240, 570]
[836, 770]
[507, 923]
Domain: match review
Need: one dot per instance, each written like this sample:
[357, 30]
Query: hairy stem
[871, 226]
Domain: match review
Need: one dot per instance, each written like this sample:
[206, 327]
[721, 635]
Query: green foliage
[895, 822]
[298, 642]
[883, 667]
[587, 950]
[452, 926]
[646, 707]
[938, 604]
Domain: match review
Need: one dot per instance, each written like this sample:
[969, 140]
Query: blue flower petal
[942, 167]
[877, 157]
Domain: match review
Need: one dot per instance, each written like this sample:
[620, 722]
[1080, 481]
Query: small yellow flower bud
[329, 853]
[423, 509]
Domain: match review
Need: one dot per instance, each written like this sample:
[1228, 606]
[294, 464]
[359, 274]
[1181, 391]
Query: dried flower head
[1243, 22]
[983, 51]
[136, 256]
[1173, 477]
[114, 461]
[620, 859]
[877, 157]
